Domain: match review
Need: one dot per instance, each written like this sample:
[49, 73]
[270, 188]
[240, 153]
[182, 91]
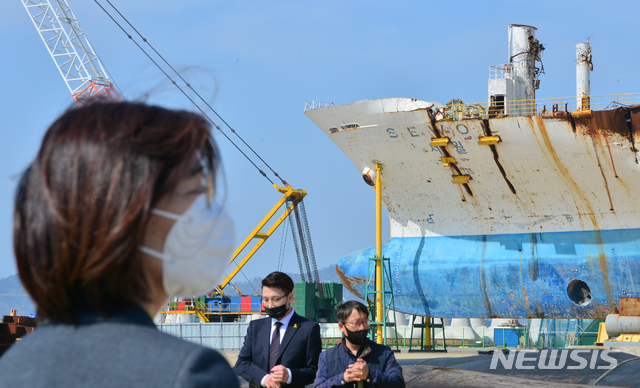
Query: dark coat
[124, 351]
[384, 370]
[299, 351]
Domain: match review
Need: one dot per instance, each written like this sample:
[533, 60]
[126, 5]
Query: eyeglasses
[275, 299]
[357, 323]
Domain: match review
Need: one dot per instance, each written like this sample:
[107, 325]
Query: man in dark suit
[284, 348]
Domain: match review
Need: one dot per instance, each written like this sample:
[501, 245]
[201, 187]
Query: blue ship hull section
[510, 275]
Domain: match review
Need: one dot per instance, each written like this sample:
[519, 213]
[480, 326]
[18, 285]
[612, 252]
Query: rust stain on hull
[634, 128]
[630, 306]
[605, 122]
[582, 197]
[576, 190]
[604, 125]
[525, 297]
[597, 143]
[606, 139]
[350, 282]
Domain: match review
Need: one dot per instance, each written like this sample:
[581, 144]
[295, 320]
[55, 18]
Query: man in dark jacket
[356, 361]
[281, 350]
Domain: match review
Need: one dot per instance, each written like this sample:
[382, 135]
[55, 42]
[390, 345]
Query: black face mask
[277, 312]
[356, 337]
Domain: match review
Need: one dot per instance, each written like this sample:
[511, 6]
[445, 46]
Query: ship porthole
[369, 176]
[579, 292]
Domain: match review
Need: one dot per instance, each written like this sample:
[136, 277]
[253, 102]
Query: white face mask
[197, 249]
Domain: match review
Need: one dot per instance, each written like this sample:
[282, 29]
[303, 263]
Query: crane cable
[301, 219]
[186, 95]
[248, 282]
[312, 257]
[296, 245]
[283, 246]
[191, 100]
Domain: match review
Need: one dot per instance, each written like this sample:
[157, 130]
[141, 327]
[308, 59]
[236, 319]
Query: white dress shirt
[285, 322]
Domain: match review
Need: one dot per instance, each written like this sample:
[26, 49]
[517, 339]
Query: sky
[257, 62]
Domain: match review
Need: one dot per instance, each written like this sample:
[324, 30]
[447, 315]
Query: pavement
[411, 358]
[404, 357]
[465, 367]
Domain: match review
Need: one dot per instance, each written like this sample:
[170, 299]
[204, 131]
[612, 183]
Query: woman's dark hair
[82, 206]
[345, 309]
[278, 280]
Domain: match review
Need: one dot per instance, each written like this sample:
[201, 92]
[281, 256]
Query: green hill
[252, 287]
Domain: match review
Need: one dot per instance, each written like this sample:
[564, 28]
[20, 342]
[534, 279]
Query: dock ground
[465, 367]
[232, 355]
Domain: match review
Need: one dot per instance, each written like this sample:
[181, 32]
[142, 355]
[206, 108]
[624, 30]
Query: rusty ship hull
[543, 222]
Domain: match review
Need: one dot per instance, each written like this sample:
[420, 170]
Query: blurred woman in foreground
[115, 215]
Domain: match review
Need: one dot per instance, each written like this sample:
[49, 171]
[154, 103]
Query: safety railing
[230, 336]
[498, 71]
[222, 336]
[314, 104]
[212, 307]
[485, 110]
[539, 106]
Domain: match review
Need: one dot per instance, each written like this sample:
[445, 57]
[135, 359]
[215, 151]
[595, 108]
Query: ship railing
[315, 104]
[211, 308]
[231, 335]
[498, 71]
[540, 106]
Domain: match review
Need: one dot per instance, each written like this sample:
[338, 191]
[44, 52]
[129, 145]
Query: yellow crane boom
[290, 194]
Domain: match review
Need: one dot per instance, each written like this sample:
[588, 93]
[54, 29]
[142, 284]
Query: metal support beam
[379, 307]
[289, 194]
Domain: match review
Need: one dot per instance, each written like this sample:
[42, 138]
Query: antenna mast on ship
[70, 49]
[584, 67]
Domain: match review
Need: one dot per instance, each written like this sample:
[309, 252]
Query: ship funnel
[512, 86]
[524, 51]
[584, 67]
